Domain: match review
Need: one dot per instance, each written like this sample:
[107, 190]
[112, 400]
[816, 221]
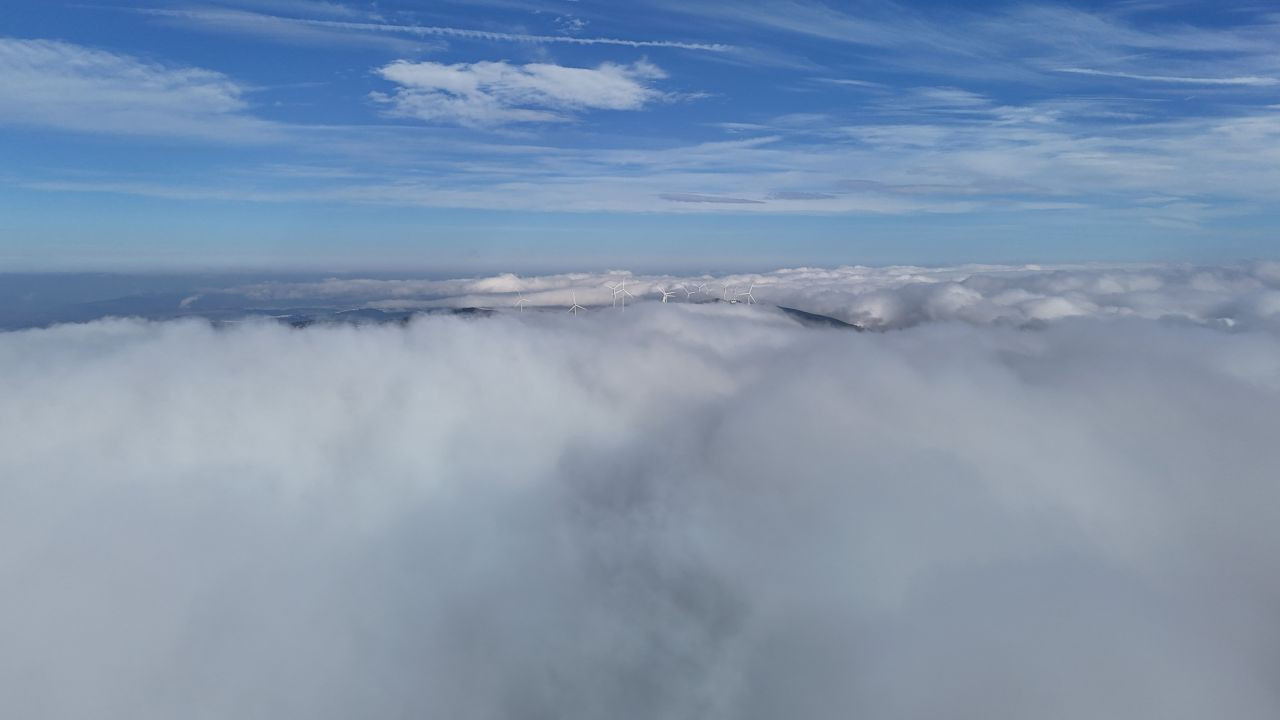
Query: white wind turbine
[751, 299]
[620, 291]
[575, 307]
[724, 293]
[687, 292]
[667, 294]
[521, 303]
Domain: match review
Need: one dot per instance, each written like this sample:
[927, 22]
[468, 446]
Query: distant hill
[809, 319]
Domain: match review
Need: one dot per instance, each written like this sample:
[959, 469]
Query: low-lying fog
[678, 511]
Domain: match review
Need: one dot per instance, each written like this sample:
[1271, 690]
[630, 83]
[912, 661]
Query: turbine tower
[575, 307]
[521, 303]
[620, 292]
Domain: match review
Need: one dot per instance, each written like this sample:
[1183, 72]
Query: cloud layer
[885, 298]
[677, 511]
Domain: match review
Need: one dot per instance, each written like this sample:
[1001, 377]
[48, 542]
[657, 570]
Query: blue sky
[556, 134]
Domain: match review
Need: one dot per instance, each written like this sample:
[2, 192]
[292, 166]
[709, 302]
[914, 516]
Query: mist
[1245, 295]
[676, 511]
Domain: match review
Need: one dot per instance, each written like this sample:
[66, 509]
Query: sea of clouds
[1002, 510]
[871, 297]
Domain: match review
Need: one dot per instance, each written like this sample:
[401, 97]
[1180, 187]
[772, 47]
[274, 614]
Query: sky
[297, 423]
[551, 135]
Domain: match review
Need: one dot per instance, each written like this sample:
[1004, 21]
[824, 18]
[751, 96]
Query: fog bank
[1243, 296]
[680, 511]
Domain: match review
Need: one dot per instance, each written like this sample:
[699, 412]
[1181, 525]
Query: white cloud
[498, 93]
[895, 297]
[70, 87]
[669, 512]
[571, 25]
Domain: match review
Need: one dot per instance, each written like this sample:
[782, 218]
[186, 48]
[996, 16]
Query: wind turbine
[620, 291]
[687, 292]
[521, 303]
[724, 293]
[667, 294]
[575, 307]
[751, 299]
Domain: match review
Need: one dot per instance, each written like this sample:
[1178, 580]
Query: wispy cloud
[1019, 41]
[309, 7]
[217, 19]
[1251, 80]
[712, 199]
[935, 144]
[802, 17]
[990, 158]
[55, 84]
[284, 29]
[848, 82]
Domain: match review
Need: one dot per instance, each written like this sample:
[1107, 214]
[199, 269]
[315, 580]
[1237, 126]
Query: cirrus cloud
[48, 83]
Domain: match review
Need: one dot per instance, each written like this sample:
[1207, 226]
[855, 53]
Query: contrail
[441, 31]
[1246, 80]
